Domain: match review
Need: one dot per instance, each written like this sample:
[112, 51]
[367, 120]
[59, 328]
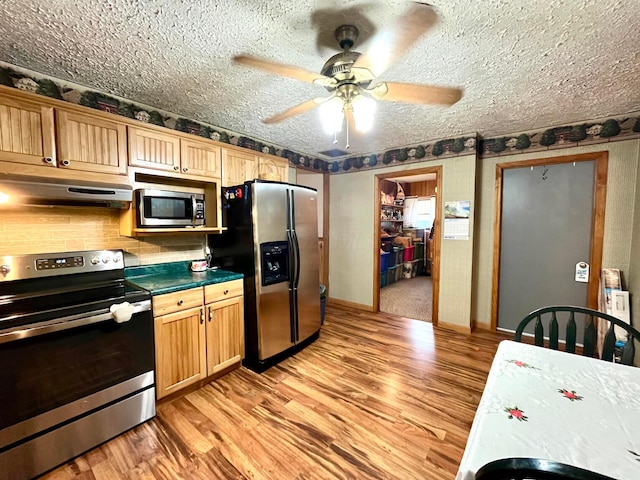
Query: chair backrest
[534, 469]
[589, 349]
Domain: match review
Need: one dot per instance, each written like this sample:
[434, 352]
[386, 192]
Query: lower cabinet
[195, 342]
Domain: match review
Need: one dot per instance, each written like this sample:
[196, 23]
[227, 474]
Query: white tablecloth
[552, 405]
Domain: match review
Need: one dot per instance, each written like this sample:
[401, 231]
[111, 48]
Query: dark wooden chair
[534, 469]
[589, 343]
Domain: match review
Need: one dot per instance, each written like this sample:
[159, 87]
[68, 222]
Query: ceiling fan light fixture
[363, 112]
[332, 115]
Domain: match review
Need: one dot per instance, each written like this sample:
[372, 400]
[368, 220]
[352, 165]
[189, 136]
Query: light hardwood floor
[375, 396]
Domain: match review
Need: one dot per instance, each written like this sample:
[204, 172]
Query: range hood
[22, 190]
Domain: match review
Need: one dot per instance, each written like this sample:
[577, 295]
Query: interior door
[546, 229]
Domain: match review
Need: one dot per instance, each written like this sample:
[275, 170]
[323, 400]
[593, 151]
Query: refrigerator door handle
[296, 278]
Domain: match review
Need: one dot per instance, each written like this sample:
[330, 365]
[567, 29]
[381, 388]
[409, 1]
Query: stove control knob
[95, 261]
[4, 269]
[117, 259]
[106, 259]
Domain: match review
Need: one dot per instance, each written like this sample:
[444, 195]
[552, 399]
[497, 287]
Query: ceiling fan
[349, 76]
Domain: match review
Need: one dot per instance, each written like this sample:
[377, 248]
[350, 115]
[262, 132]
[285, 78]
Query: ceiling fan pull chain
[347, 145]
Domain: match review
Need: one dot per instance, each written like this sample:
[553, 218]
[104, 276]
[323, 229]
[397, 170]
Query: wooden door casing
[90, 143]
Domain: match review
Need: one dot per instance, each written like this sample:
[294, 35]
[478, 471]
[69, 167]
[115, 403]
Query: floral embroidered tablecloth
[541, 403]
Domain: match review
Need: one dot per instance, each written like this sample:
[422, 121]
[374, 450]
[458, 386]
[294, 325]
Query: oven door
[63, 370]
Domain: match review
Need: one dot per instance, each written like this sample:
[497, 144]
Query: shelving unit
[391, 218]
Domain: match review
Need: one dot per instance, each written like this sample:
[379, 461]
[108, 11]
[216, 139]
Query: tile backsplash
[37, 229]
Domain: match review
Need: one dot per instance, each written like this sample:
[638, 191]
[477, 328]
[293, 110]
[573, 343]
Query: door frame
[597, 228]
[435, 265]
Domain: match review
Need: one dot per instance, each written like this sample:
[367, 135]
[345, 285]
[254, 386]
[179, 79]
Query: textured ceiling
[524, 64]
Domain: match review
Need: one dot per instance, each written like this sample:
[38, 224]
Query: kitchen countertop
[175, 276]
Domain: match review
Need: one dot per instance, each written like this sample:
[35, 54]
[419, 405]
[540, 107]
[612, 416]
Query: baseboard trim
[335, 302]
[454, 328]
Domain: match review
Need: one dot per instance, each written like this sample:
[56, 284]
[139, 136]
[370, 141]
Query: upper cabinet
[26, 132]
[151, 149]
[274, 165]
[237, 167]
[91, 144]
[171, 153]
[200, 158]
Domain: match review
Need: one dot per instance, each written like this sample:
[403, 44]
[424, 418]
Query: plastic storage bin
[391, 259]
[383, 278]
[323, 302]
[398, 251]
[418, 251]
[407, 255]
[414, 267]
[406, 270]
[384, 261]
[398, 272]
[391, 275]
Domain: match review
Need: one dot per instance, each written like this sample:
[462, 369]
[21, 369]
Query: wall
[352, 236]
[633, 278]
[421, 189]
[315, 180]
[59, 229]
[619, 215]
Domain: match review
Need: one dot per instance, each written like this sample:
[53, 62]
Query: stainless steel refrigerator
[272, 238]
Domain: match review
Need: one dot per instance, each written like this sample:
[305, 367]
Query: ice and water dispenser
[274, 257]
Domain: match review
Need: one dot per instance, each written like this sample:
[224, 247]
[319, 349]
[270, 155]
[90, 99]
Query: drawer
[220, 291]
[177, 301]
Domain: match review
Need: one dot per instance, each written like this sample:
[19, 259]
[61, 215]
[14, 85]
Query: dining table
[552, 405]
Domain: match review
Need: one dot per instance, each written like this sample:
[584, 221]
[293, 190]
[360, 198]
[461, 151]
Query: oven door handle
[66, 323]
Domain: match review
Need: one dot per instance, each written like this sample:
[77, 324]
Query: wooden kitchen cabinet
[225, 324]
[281, 165]
[238, 167]
[26, 132]
[180, 350]
[90, 143]
[155, 150]
[195, 342]
[200, 158]
[225, 334]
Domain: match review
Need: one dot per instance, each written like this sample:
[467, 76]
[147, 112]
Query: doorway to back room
[406, 244]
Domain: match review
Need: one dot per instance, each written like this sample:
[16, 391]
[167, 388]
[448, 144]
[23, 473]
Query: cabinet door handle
[210, 314]
[226, 291]
[185, 169]
[48, 160]
[180, 302]
[176, 168]
[65, 163]
[201, 316]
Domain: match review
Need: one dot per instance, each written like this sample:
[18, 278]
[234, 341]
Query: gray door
[546, 229]
[272, 301]
[308, 289]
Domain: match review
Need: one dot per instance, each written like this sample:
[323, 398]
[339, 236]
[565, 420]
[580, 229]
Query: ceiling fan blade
[297, 110]
[414, 93]
[284, 70]
[393, 41]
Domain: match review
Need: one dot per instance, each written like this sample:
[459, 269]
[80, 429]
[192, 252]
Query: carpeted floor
[410, 297]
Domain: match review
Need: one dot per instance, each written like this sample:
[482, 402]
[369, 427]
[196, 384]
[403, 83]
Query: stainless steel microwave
[163, 208]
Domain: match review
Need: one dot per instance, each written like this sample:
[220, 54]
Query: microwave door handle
[193, 210]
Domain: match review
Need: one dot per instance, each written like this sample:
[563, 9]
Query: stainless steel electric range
[76, 357]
